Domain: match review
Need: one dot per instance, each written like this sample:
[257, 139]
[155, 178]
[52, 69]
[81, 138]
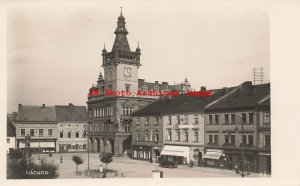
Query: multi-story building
[110, 111]
[71, 128]
[264, 135]
[171, 127]
[10, 132]
[225, 135]
[40, 123]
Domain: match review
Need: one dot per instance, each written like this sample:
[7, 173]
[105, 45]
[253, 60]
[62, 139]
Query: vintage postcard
[138, 90]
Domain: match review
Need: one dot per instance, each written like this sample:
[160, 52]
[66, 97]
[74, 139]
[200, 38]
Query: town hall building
[110, 120]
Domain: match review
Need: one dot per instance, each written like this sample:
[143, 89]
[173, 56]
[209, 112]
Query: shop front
[212, 157]
[233, 158]
[178, 154]
[43, 146]
[264, 162]
[141, 152]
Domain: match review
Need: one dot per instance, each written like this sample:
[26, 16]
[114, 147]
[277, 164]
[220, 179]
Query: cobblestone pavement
[132, 168]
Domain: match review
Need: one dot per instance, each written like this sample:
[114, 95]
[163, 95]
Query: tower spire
[121, 10]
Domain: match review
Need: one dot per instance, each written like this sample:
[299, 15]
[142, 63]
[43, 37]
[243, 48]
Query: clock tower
[121, 64]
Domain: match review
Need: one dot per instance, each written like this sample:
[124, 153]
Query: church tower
[121, 64]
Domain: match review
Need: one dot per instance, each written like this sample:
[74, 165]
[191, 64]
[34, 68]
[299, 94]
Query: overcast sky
[54, 53]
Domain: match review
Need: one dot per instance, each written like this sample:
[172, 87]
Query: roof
[36, 113]
[244, 96]
[179, 104]
[71, 113]
[11, 129]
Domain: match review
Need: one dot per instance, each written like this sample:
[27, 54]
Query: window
[178, 119]
[250, 140]
[232, 139]
[147, 121]
[110, 127]
[61, 134]
[196, 134]
[250, 117]
[233, 118]
[77, 134]
[185, 119]
[22, 132]
[226, 139]
[97, 127]
[244, 118]
[226, 118]
[69, 134]
[216, 119]
[7, 140]
[267, 140]
[210, 119]
[156, 120]
[244, 139]
[84, 134]
[156, 137]
[127, 127]
[147, 137]
[196, 119]
[267, 117]
[127, 110]
[178, 135]
[186, 134]
[84, 146]
[216, 139]
[169, 120]
[169, 137]
[127, 87]
[138, 120]
[50, 132]
[31, 132]
[41, 132]
[137, 137]
[210, 138]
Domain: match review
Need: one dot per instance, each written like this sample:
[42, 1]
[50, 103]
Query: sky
[54, 53]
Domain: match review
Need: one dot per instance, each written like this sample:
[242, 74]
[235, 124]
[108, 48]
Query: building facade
[116, 95]
[71, 128]
[264, 135]
[41, 124]
[172, 128]
[10, 132]
[231, 125]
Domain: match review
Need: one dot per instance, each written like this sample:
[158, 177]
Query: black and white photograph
[143, 89]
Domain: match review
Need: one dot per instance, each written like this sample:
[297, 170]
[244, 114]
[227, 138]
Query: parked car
[168, 163]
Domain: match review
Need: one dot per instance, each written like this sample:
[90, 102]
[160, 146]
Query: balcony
[265, 148]
[211, 144]
[212, 128]
[126, 117]
[264, 126]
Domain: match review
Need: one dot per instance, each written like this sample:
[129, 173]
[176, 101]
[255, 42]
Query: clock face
[127, 72]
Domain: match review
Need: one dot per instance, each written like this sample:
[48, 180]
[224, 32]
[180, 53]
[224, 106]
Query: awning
[38, 144]
[213, 154]
[182, 151]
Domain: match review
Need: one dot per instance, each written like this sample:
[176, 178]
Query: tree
[106, 158]
[77, 160]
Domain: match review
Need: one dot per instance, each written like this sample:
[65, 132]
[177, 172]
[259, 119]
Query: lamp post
[240, 122]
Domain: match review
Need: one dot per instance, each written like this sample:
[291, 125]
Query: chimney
[247, 84]
[20, 106]
[203, 88]
[43, 106]
[71, 104]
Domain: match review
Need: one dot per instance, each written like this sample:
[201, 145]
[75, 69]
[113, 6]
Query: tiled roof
[179, 104]
[71, 113]
[36, 113]
[265, 101]
[244, 96]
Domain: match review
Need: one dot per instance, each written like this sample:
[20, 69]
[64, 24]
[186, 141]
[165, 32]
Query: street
[132, 168]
